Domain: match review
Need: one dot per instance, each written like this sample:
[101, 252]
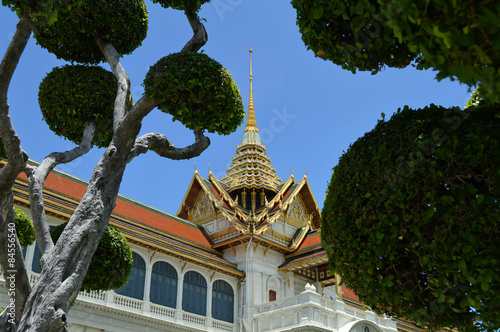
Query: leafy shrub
[3, 154]
[112, 261]
[197, 91]
[351, 34]
[459, 39]
[72, 95]
[190, 6]
[412, 213]
[24, 229]
[67, 28]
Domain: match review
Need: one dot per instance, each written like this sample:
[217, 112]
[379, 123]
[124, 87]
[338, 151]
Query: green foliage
[197, 91]
[190, 6]
[67, 29]
[460, 39]
[72, 95]
[411, 217]
[24, 229]
[112, 261]
[44, 12]
[351, 34]
[3, 153]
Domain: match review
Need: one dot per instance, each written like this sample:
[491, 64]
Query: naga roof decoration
[250, 201]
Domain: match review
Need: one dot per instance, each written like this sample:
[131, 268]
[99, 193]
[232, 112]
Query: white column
[147, 282]
[180, 286]
[209, 300]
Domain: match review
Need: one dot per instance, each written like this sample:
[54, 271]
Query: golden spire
[251, 168]
[251, 121]
[251, 134]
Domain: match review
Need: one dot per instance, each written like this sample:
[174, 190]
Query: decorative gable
[203, 208]
[297, 213]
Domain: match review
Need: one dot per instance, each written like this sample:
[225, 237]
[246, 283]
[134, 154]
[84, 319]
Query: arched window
[163, 285]
[222, 301]
[194, 293]
[135, 284]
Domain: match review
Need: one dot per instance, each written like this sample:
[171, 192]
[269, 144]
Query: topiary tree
[79, 103]
[24, 229]
[197, 91]
[63, 97]
[111, 264]
[459, 39]
[411, 217]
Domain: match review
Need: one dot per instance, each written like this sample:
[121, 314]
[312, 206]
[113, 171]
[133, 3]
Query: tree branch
[8, 174]
[200, 36]
[123, 89]
[12, 143]
[37, 181]
[140, 109]
[161, 145]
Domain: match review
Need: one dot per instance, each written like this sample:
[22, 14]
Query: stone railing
[121, 303]
[311, 309]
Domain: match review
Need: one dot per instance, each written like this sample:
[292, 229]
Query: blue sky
[308, 110]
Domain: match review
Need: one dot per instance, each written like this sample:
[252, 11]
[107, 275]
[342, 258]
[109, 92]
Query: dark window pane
[164, 285]
[222, 301]
[135, 284]
[194, 294]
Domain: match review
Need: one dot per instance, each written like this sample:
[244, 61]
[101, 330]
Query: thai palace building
[242, 253]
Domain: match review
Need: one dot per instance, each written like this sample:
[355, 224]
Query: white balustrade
[193, 318]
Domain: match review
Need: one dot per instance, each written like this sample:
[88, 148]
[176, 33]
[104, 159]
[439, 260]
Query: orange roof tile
[75, 188]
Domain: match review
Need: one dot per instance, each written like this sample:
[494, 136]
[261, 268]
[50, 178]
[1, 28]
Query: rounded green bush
[69, 31]
[24, 228]
[71, 95]
[351, 34]
[412, 213]
[197, 91]
[458, 39]
[3, 153]
[112, 261]
[190, 6]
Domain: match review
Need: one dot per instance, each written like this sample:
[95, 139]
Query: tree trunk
[66, 264]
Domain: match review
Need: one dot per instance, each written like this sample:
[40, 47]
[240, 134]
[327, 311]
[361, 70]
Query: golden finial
[251, 121]
[195, 170]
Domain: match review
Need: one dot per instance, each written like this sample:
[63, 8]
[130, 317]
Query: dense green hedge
[112, 261]
[412, 213]
[350, 34]
[3, 153]
[190, 6]
[67, 28]
[197, 91]
[459, 39]
[24, 229]
[71, 95]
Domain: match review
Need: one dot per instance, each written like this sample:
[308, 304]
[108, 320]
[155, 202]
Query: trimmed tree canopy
[111, 264]
[72, 95]
[411, 217]
[24, 229]
[197, 91]
[3, 154]
[70, 32]
[459, 39]
[350, 34]
[190, 6]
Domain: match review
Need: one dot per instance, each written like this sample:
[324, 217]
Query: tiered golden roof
[251, 167]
